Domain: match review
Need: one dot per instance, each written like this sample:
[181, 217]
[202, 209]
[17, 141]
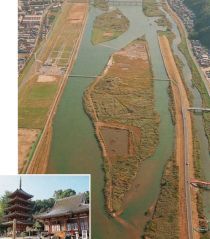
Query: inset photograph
[49, 206]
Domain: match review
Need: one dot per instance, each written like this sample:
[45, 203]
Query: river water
[198, 119]
[74, 146]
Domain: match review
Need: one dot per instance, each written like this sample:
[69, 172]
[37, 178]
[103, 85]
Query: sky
[43, 186]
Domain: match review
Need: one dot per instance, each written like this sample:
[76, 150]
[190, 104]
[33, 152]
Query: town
[34, 21]
[201, 53]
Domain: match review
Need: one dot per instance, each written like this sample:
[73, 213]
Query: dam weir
[74, 146]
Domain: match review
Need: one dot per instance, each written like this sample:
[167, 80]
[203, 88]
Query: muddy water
[199, 127]
[74, 146]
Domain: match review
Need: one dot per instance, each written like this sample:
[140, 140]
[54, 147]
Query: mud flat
[109, 26]
[121, 106]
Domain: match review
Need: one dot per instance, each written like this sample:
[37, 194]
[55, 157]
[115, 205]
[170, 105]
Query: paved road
[187, 175]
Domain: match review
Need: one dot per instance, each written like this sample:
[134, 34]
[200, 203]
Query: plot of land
[116, 141]
[76, 14]
[108, 26]
[37, 96]
[26, 138]
[46, 78]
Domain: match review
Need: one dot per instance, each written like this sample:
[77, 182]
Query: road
[184, 143]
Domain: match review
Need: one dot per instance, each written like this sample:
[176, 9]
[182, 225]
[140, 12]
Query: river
[74, 146]
[198, 119]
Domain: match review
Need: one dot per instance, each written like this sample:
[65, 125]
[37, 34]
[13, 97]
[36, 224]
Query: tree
[63, 193]
[43, 205]
[3, 203]
[87, 197]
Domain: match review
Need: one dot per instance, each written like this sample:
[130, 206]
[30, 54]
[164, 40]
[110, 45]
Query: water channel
[74, 146]
[198, 119]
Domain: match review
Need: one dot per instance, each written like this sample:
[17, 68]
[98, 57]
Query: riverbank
[36, 117]
[164, 222]
[199, 82]
[184, 142]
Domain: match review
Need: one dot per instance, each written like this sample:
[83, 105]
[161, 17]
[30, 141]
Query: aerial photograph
[120, 89]
[44, 207]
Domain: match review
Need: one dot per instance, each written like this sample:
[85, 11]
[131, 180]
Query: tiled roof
[65, 206]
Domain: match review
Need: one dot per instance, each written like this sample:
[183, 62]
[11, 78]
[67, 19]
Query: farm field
[37, 95]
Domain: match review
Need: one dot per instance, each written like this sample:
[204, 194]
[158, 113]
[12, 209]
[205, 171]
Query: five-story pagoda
[19, 208]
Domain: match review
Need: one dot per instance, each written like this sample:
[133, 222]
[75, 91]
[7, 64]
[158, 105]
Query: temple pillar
[50, 227]
[78, 223]
[65, 224]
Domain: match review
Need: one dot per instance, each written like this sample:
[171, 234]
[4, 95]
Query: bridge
[116, 2]
[159, 79]
[199, 109]
[83, 76]
[124, 3]
[200, 184]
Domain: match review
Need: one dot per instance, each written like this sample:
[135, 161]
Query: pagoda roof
[18, 206]
[66, 206]
[19, 199]
[19, 191]
[14, 214]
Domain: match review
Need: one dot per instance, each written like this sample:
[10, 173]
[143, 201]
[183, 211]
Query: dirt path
[39, 161]
[181, 106]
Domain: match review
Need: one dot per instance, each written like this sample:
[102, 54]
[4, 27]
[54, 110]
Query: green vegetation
[64, 193]
[197, 81]
[201, 9]
[121, 97]
[3, 203]
[35, 98]
[101, 4]
[151, 8]
[108, 26]
[34, 104]
[164, 222]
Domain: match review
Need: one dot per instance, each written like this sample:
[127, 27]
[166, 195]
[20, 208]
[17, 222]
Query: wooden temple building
[19, 208]
[67, 215]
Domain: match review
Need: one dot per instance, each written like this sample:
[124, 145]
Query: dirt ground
[26, 138]
[181, 100]
[46, 78]
[76, 13]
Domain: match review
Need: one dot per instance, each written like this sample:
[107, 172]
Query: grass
[101, 4]
[151, 9]
[122, 96]
[164, 222]
[30, 155]
[113, 23]
[34, 104]
[36, 98]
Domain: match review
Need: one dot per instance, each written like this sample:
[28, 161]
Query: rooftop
[66, 206]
